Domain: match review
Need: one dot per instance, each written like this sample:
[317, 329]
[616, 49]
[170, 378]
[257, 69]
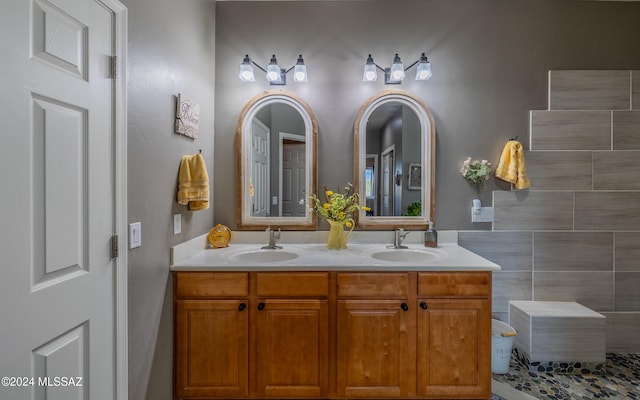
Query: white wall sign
[187, 116]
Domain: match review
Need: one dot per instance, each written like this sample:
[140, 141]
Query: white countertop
[309, 254]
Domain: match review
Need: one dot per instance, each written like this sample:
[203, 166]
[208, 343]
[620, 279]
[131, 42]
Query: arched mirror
[276, 162]
[395, 161]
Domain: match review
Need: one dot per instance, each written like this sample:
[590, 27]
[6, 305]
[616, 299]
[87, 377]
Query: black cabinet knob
[404, 307]
[423, 305]
[242, 306]
[260, 306]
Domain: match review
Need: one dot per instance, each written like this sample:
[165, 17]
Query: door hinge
[114, 67]
[114, 246]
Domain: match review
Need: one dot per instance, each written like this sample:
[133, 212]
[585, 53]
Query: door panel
[211, 348]
[293, 180]
[373, 348]
[260, 169]
[59, 138]
[292, 348]
[388, 164]
[454, 346]
[57, 155]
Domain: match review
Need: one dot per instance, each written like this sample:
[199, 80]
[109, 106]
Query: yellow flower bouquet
[337, 209]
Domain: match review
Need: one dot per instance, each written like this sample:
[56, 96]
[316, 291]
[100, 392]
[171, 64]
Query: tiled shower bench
[558, 337]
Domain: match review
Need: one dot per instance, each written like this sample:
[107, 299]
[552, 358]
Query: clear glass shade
[246, 70]
[273, 73]
[273, 70]
[396, 74]
[300, 70]
[246, 73]
[423, 71]
[370, 72]
[300, 73]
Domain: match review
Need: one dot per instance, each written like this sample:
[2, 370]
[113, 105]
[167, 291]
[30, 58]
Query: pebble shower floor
[620, 381]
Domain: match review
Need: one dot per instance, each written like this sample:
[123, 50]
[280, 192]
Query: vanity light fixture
[275, 75]
[396, 73]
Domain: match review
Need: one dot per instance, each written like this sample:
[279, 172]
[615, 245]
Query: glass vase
[337, 239]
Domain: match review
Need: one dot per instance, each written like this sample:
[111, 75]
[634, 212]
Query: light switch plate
[135, 235]
[177, 223]
[485, 215]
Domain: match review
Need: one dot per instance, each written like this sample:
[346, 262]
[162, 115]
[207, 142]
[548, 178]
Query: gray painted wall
[490, 60]
[171, 51]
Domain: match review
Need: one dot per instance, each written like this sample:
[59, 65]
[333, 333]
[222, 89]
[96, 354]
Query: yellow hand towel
[193, 183]
[511, 167]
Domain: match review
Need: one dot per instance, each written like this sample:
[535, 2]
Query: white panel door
[387, 181]
[293, 179]
[57, 291]
[260, 175]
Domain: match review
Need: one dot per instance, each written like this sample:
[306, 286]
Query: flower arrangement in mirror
[476, 171]
[337, 209]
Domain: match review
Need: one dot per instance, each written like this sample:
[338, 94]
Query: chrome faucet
[273, 239]
[398, 236]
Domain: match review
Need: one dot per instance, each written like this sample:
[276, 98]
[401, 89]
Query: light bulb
[273, 70]
[300, 70]
[423, 71]
[397, 70]
[246, 70]
[370, 73]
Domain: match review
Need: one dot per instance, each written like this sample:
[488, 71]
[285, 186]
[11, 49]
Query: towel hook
[515, 138]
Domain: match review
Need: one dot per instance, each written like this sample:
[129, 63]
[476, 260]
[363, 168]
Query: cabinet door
[373, 354]
[454, 345]
[292, 348]
[211, 352]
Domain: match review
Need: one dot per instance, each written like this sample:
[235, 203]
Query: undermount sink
[406, 255]
[264, 256]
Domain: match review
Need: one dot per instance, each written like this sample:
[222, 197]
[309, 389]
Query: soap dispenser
[431, 236]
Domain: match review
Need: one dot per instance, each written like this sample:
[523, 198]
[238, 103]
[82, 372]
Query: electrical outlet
[135, 235]
[177, 223]
[485, 215]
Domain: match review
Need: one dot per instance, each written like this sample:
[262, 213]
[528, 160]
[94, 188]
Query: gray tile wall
[571, 170]
[533, 210]
[574, 235]
[626, 128]
[616, 170]
[623, 331]
[589, 251]
[571, 130]
[635, 90]
[607, 211]
[589, 90]
[627, 251]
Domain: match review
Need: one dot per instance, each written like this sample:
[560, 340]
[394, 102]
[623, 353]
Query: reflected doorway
[292, 175]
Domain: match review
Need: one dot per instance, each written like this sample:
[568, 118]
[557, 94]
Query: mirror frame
[428, 150]
[243, 143]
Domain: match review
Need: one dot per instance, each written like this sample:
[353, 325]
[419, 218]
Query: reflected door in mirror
[293, 176]
[397, 129]
[259, 184]
[276, 160]
[393, 133]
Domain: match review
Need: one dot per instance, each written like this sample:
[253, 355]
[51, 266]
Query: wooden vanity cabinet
[291, 334]
[327, 335]
[279, 320]
[454, 335]
[211, 335]
[375, 334]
